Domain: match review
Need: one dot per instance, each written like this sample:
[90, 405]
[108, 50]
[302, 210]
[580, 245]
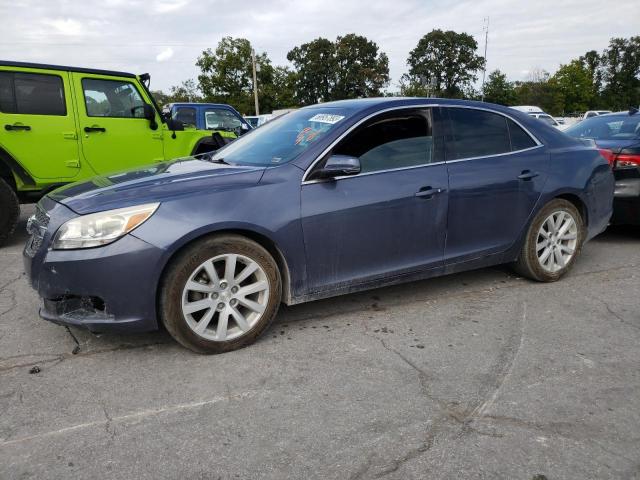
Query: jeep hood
[155, 183]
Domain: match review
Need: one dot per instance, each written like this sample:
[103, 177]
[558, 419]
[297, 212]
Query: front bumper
[110, 288]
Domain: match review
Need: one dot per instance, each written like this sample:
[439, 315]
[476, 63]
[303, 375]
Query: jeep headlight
[101, 228]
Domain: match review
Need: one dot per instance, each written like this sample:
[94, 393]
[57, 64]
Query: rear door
[114, 133]
[37, 121]
[496, 174]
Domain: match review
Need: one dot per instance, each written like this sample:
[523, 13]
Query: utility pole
[486, 41]
[255, 81]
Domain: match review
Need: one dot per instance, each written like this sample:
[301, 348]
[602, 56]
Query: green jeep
[62, 124]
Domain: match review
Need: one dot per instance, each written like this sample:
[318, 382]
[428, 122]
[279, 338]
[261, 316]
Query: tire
[9, 211]
[547, 259]
[191, 296]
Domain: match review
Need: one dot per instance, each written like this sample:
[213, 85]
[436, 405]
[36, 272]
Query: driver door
[113, 131]
[390, 219]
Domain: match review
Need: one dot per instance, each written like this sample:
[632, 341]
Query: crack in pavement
[463, 419]
[617, 315]
[12, 294]
[135, 416]
[57, 358]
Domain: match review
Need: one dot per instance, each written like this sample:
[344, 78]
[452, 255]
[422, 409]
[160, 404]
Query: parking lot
[476, 375]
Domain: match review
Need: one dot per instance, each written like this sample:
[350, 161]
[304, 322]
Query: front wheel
[220, 294]
[553, 242]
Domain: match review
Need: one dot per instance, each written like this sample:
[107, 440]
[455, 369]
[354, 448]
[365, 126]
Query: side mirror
[150, 114]
[339, 165]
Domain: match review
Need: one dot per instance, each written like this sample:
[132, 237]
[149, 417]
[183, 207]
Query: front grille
[37, 227]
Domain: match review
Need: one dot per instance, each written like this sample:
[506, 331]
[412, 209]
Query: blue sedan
[326, 200]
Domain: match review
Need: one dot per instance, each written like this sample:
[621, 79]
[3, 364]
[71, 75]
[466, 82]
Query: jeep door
[114, 133]
[37, 122]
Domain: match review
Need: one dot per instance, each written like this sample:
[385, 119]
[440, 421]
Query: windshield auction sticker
[326, 118]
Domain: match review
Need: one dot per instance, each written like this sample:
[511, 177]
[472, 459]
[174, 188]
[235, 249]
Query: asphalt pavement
[471, 376]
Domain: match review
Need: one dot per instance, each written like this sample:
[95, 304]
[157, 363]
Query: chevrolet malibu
[327, 200]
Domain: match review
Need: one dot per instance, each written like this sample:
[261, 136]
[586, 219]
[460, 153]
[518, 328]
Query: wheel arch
[578, 203]
[10, 169]
[261, 239]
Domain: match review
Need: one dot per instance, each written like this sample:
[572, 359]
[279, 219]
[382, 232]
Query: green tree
[445, 61]
[350, 67]
[187, 91]
[281, 91]
[315, 65]
[542, 91]
[575, 84]
[362, 71]
[227, 76]
[498, 89]
[160, 97]
[621, 73]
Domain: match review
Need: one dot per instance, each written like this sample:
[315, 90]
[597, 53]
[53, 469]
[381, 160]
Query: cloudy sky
[164, 37]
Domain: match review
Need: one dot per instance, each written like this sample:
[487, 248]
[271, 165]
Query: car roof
[193, 104]
[64, 68]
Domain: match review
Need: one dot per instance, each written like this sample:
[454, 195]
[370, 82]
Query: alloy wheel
[557, 241]
[225, 297]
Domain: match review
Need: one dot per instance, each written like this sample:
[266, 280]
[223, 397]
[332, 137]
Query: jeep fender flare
[10, 167]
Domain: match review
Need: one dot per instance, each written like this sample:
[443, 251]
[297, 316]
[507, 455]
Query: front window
[623, 127]
[283, 139]
[186, 115]
[112, 98]
[389, 141]
[221, 119]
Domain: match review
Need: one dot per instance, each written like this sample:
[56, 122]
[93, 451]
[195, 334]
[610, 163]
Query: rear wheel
[553, 242]
[220, 294]
[9, 210]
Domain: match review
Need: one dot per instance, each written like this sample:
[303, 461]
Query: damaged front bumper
[109, 288]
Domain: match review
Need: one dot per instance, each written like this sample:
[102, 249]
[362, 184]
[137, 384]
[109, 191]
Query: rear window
[32, 94]
[616, 127]
[477, 133]
[520, 140]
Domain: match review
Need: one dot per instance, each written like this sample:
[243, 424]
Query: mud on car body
[326, 200]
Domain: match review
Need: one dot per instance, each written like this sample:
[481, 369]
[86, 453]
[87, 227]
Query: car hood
[155, 183]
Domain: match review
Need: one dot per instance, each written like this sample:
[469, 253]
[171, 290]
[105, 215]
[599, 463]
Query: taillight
[627, 160]
[608, 155]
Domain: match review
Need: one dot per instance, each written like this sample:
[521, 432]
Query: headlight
[101, 228]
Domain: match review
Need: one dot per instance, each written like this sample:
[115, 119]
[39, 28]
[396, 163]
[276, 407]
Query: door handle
[17, 127]
[428, 192]
[527, 175]
[94, 129]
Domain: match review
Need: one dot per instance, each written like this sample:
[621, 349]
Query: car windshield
[547, 118]
[283, 139]
[616, 127]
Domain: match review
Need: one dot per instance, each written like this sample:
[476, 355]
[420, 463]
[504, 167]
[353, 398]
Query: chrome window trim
[406, 107]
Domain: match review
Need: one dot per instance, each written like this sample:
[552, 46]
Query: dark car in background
[326, 200]
[617, 135]
[208, 116]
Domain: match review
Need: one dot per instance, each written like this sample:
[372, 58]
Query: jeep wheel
[9, 212]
